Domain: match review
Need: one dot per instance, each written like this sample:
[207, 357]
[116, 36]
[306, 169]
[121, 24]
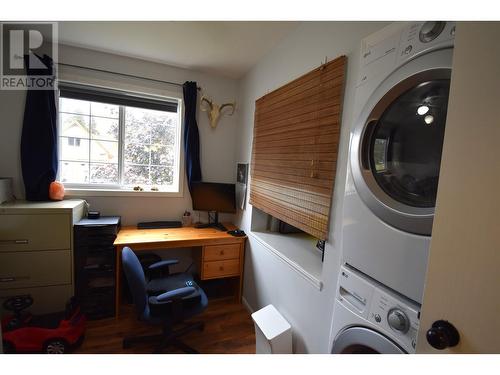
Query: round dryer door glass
[406, 144]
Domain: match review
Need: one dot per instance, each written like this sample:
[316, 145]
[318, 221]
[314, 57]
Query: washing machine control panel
[390, 313]
[395, 315]
[397, 319]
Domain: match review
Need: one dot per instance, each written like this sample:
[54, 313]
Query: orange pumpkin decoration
[56, 191]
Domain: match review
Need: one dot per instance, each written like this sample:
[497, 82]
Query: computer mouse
[236, 233]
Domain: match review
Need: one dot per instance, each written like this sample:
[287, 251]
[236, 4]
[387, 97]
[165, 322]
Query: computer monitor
[213, 197]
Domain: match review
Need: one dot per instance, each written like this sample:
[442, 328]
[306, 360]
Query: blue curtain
[39, 137]
[191, 134]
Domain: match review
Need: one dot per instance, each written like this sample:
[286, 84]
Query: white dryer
[395, 152]
[369, 318]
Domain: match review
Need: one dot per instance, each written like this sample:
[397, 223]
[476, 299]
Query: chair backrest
[136, 281]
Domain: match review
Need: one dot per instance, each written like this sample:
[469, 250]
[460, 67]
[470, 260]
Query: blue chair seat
[193, 304]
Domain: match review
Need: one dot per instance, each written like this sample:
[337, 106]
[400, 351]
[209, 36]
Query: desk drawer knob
[221, 268]
[222, 252]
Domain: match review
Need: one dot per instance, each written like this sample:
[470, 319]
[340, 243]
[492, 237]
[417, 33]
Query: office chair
[166, 302]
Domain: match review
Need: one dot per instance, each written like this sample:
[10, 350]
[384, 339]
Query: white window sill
[73, 192]
[296, 250]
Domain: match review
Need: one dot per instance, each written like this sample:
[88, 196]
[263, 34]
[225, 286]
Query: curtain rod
[123, 74]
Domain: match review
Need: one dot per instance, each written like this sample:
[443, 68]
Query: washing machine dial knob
[431, 30]
[398, 320]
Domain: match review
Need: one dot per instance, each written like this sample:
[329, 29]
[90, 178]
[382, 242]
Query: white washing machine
[369, 318]
[395, 152]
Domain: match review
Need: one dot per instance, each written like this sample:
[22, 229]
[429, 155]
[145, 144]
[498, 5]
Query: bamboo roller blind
[295, 146]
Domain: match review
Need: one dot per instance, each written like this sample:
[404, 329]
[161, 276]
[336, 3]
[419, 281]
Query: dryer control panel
[391, 47]
[385, 310]
[420, 37]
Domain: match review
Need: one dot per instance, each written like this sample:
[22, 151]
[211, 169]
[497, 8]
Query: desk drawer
[221, 252]
[221, 268]
[34, 232]
[31, 269]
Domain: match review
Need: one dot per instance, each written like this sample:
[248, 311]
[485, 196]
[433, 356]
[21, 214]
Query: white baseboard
[247, 305]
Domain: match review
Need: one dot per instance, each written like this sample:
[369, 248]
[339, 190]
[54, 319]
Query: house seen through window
[114, 142]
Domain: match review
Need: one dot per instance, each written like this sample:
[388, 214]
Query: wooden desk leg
[242, 266]
[118, 277]
[240, 288]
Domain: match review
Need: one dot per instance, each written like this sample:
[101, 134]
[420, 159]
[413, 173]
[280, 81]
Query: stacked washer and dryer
[394, 161]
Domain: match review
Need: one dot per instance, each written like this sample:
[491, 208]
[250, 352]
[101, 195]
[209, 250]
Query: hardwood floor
[228, 329]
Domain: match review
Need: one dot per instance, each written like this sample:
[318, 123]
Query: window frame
[82, 189]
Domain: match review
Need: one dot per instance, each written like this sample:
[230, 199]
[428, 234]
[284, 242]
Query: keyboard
[159, 224]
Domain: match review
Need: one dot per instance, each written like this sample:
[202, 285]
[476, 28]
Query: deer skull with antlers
[214, 110]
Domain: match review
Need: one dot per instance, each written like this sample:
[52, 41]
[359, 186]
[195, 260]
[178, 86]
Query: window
[72, 141]
[114, 140]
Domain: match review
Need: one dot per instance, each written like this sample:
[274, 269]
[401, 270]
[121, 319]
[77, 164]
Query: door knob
[442, 335]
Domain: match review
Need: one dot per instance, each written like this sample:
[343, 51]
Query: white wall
[268, 279]
[217, 146]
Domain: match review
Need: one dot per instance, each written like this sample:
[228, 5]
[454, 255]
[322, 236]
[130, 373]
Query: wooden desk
[222, 255]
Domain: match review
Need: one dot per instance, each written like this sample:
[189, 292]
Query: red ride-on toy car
[55, 333]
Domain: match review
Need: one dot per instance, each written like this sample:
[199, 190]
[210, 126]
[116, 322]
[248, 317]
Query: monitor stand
[215, 224]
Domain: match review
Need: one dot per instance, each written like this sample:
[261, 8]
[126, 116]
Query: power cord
[87, 207]
[187, 269]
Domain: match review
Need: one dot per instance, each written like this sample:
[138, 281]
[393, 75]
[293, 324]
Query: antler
[208, 101]
[232, 105]
[214, 110]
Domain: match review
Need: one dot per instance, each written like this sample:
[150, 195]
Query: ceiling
[225, 48]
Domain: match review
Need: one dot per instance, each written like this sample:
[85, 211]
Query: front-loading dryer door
[361, 340]
[397, 143]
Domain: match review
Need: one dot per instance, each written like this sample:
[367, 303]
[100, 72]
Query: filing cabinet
[36, 251]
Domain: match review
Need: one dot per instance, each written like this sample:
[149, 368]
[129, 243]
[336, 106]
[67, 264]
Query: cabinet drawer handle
[13, 242]
[7, 279]
[222, 252]
[221, 268]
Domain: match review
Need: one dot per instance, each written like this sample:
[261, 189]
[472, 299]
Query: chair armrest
[171, 295]
[162, 263]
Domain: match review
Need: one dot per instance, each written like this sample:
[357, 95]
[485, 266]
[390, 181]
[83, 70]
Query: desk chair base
[167, 338]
